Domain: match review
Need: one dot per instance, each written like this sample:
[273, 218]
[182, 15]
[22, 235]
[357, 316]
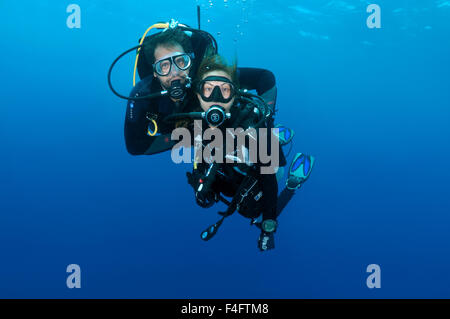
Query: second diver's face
[162, 52]
[206, 105]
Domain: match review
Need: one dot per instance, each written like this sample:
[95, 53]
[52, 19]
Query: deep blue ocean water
[372, 106]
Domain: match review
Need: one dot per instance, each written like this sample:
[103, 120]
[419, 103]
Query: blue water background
[372, 105]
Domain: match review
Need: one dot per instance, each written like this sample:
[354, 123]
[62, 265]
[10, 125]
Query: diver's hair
[217, 63]
[167, 38]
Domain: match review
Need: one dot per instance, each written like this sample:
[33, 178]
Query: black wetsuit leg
[269, 187]
[284, 198]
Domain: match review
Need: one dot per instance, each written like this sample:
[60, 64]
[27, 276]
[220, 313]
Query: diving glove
[204, 196]
[205, 199]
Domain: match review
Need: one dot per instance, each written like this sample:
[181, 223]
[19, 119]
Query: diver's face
[162, 52]
[206, 105]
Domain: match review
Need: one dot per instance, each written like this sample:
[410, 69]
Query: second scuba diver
[254, 194]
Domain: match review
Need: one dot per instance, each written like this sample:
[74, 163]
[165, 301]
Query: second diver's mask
[216, 89]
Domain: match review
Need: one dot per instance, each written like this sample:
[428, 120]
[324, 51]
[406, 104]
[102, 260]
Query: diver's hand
[205, 199]
[193, 179]
[266, 241]
[204, 196]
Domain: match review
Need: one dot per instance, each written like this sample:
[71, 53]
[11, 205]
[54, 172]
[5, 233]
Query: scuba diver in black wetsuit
[172, 57]
[254, 193]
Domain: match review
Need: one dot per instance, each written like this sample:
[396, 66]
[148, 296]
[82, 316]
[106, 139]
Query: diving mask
[216, 89]
[182, 61]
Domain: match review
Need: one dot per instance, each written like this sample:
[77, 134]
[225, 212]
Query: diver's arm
[137, 139]
[261, 80]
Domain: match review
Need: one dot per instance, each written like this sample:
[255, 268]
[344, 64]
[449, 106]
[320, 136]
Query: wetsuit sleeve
[137, 141]
[261, 80]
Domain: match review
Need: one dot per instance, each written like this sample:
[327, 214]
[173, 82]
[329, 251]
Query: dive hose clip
[173, 24]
